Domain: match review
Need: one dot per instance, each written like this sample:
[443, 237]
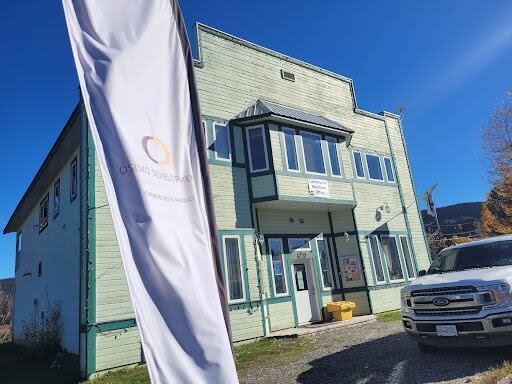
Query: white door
[305, 293]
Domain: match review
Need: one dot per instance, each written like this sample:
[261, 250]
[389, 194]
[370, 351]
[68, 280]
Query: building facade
[314, 202]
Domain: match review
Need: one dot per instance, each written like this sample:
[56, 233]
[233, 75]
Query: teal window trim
[412, 256]
[228, 159]
[283, 266]
[372, 262]
[284, 149]
[261, 127]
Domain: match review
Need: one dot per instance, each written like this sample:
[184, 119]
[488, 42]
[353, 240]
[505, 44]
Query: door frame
[316, 312]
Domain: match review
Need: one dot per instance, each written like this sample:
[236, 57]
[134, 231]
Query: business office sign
[318, 188]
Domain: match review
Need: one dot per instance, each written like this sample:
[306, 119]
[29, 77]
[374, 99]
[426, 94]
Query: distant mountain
[459, 219]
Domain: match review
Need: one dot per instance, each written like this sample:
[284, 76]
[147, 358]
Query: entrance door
[305, 293]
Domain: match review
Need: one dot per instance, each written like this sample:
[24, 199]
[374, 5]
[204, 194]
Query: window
[377, 261]
[374, 168]
[278, 274]
[313, 154]
[392, 257]
[325, 266]
[233, 264]
[411, 272]
[358, 163]
[74, 179]
[222, 142]
[43, 213]
[290, 149]
[18, 250]
[257, 147]
[205, 130]
[299, 244]
[390, 174]
[334, 160]
[56, 198]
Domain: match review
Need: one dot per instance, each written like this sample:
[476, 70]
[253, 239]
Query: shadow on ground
[397, 359]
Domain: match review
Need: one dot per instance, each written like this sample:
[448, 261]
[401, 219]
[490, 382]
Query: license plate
[446, 330]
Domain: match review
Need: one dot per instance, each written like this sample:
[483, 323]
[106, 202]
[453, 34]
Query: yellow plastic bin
[341, 310]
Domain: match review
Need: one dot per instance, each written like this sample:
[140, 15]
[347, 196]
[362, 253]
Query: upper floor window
[18, 250]
[233, 263]
[290, 149]
[334, 160]
[358, 164]
[374, 167]
[406, 250]
[43, 212]
[257, 147]
[325, 266]
[278, 274]
[74, 179]
[222, 142]
[205, 131]
[313, 153]
[390, 174]
[56, 198]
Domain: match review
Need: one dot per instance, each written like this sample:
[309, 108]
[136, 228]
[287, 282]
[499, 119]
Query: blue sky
[448, 62]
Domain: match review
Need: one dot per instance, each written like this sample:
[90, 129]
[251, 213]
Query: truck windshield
[478, 256]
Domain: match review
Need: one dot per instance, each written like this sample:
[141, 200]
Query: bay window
[334, 160]
[313, 153]
[257, 147]
[290, 149]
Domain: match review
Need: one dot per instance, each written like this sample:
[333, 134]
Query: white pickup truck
[464, 298]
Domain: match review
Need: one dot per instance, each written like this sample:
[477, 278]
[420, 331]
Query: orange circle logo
[161, 148]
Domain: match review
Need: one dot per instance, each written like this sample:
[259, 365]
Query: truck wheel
[425, 348]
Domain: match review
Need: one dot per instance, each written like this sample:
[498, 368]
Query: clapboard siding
[386, 299]
[231, 197]
[274, 221]
[246, 324]
[263, 186]
[299, 187]
[281, 315]
[117, 348]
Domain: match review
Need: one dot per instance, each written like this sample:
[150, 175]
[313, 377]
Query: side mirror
[422, 273]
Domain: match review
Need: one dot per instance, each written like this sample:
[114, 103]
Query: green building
[314, 202]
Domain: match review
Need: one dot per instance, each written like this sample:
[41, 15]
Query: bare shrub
[45, 335]
[6, 310]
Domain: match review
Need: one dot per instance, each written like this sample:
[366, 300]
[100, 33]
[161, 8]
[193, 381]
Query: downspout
[263, 296]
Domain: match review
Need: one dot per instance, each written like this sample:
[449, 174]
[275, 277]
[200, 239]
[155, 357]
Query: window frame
[242, 277]
[249, 151]
[363, 164]
[399, 260]
[413, 263]
[73, 182]
[334, 140]
[56, 207]
[383, 263]
[204, 125]
[308, 242]
[283, 130]
[286, 292]
[228, 132]
[366, 154]
[391, 167]
[46, 200]
[301, 132]
[329, 265]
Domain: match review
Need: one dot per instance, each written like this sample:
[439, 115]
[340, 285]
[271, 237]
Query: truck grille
[447, 311]
[460, 290]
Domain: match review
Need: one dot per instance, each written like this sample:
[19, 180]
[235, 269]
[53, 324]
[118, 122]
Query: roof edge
[9, 226]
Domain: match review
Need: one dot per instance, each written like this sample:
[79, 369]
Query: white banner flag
[136, 76]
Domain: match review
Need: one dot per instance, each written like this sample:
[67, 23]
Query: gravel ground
[376, 353]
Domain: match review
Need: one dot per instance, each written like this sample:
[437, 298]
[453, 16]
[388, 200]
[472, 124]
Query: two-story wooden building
[314, 201]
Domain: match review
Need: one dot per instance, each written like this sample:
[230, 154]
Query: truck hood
[475, 277]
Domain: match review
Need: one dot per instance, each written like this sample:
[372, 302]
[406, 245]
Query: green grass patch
[388, 317]
[248, 356]
[494, 375]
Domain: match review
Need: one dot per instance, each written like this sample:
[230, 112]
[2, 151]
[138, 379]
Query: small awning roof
[264, 109]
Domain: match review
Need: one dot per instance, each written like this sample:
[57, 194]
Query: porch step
[322, 327]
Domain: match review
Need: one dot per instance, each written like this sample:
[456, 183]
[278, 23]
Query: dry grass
[494, 375]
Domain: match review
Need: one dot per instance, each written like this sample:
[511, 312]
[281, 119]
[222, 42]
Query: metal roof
[265, 107]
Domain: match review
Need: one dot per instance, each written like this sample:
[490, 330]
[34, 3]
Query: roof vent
[287, 75]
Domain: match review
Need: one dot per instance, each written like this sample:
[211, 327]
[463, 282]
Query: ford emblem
[440, 301]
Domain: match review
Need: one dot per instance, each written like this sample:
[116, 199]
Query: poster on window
[351, 268]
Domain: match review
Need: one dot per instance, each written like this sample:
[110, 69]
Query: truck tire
[425, 348]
